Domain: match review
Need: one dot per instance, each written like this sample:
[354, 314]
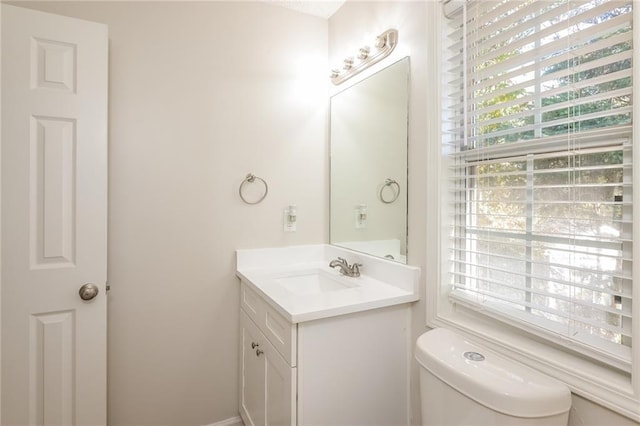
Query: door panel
[51, 362]
[54, 218]
[52, 169]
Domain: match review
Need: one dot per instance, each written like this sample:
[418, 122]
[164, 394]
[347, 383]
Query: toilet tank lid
[490, 379]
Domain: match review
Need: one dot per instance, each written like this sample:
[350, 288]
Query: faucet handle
[355, 269]
[343, 260]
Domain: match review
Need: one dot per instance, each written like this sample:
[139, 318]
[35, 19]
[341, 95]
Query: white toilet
[462, 383]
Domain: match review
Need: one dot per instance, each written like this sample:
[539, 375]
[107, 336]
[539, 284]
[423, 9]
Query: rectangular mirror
[368, 149]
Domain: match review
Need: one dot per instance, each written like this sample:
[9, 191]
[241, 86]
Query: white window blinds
[538, 131]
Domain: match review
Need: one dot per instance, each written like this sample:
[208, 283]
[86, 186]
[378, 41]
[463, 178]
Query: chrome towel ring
[390, 183]
[252, 178]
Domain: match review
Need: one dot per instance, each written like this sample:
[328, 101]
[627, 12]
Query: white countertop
[382, 282]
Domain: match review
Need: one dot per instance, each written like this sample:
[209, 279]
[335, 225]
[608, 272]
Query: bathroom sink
[299, 284]
[313, 281]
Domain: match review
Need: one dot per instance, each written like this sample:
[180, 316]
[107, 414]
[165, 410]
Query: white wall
[201, 93]
[347, 30]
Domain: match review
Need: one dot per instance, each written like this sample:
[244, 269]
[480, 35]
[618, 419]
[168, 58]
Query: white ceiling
[321, 8]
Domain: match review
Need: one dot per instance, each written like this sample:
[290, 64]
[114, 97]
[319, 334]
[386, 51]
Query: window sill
[601, 384]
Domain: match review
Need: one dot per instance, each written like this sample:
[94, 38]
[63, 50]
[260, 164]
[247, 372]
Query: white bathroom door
[54, 219]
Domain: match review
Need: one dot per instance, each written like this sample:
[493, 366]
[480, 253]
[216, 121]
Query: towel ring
[252, 178]
[387, 184]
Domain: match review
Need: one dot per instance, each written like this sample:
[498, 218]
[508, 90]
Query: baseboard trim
[233, 421]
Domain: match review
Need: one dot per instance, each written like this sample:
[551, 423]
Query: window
[538, 129]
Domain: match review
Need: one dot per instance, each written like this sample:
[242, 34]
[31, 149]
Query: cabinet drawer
[280, 332]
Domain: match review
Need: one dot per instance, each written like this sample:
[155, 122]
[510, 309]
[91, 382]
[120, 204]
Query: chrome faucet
[345, 269]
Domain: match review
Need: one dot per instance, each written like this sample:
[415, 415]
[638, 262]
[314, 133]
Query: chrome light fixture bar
[384, 45]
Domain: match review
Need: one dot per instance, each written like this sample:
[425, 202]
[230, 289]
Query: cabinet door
[267, 381]
[252, 373]
[280, 382]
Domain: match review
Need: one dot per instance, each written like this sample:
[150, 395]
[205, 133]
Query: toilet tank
[465, 384]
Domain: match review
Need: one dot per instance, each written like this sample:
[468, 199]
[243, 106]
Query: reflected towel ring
[388, 183]
[252, 178]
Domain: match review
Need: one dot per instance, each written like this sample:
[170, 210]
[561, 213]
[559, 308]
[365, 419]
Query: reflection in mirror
[369, 125]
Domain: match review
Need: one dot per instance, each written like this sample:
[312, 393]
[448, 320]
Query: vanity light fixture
[384, 45]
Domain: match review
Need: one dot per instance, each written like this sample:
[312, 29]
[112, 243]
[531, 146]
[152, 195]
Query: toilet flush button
[474, 356]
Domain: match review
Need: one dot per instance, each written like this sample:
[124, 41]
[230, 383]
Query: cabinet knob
[254, 345]
[259, 352]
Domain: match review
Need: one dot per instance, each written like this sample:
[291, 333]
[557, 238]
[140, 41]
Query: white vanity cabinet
[350, 369]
